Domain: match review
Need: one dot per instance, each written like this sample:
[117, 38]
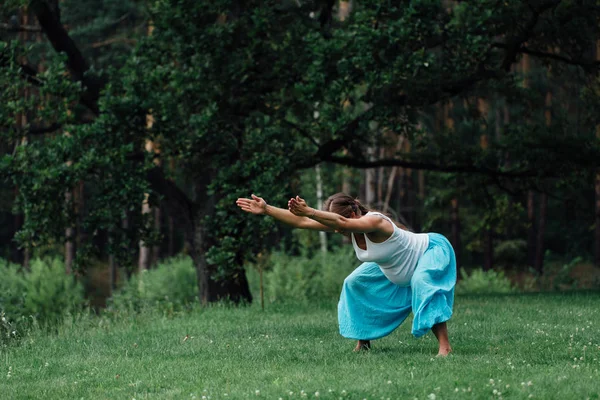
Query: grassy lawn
[542, 346]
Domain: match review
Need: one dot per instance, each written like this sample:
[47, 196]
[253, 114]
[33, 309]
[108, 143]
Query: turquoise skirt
[371, 306]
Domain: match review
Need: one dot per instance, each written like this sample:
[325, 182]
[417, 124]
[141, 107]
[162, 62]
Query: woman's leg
[433, 291]
[371, 306]
[441, 333]
[363, 345]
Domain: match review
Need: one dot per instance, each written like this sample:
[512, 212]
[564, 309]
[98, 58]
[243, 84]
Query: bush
[480, 282]
[302, 278]
[43, 295]
[171, 286]
[511, 253]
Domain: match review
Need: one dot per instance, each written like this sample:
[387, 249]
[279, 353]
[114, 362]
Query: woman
[401, 271]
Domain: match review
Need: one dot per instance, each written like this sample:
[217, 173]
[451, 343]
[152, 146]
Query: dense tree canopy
[239, 96]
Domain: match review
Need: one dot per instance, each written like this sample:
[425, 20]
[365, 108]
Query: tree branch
[42, 130]
[302, 131]
[391, 162]
[113, 41]
[20, 28]
[517, 41]
[62, 43]
[586, 64]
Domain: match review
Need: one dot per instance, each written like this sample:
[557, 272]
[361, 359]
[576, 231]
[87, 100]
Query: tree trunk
[539, 253]
[488, 250]
[156, 246]
[235, 288]
[455, 222]
[21, 120]
[380, 179]
[171, 233]
[69, 236]
[539, 249]
[531, 232]
[319, 188]
[488, 247]
[597, 233]
[144, 256]
[370, 180]
[112, 275]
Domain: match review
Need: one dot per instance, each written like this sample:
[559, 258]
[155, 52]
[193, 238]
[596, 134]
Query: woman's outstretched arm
[259, 206]
[366, 224]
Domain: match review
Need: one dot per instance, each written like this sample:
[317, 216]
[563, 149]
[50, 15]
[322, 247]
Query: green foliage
[44, 295]
[244, 95]
[302, 278]
[482, 282]
[171, 286]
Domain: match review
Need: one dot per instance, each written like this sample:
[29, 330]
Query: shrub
[481, 281]
[43, 295]
[511, 253]
[302, 278]
[171, 286]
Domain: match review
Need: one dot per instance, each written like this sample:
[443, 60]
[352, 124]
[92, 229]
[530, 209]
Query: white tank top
[397, 256]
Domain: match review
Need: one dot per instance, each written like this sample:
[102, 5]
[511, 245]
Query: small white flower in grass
[507, 386]
[317, 394]
[3, 319]
[431, 396]
[46, 364]
[389, 382]
[291, 393]
[491, 382]
[316, 115]
[495, 391]
[257, 392]
[203, 397]
[343, 392]
[529, 383]
[456, 389]
[530, 396]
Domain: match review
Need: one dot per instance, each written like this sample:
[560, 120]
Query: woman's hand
[255, 205]
[298, 206]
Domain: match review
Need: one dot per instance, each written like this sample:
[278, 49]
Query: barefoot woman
[401, 271]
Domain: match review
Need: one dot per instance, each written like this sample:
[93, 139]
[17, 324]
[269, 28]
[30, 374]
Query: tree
[244, 95]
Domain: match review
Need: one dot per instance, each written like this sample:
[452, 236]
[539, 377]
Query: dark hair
[344, 205]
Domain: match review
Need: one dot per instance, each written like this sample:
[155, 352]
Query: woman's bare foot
[363, 345]
[444, 351]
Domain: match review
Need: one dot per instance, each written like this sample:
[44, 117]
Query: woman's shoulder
[381, 215]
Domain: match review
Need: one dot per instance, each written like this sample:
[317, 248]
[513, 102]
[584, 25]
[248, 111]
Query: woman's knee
[361, 275]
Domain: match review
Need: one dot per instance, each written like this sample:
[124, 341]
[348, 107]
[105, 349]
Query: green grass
[544, 346]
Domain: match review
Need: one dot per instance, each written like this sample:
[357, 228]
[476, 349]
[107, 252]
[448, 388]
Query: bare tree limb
[110, 41]
[20, 28]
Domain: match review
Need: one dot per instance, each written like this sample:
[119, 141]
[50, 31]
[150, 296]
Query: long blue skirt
[371, 306]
